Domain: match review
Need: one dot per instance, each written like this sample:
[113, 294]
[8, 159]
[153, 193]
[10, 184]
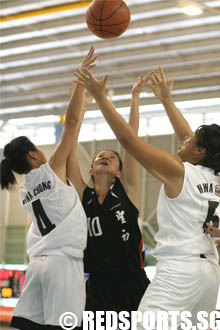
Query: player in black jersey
[113, 256]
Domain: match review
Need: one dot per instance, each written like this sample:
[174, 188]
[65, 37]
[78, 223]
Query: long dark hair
[15, 154]
[209, 138]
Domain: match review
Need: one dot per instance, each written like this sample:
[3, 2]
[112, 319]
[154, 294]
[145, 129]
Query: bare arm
[63, 148]
[73, 168]
[130, 168]
[162, 89]
[161, 164]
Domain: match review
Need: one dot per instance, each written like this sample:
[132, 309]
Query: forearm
[134, 112]
[179, 123]
[130, 169]
[75, 106]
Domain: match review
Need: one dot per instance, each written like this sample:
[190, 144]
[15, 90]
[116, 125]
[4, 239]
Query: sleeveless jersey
[181, 219]
[114, 239]
[59, 225]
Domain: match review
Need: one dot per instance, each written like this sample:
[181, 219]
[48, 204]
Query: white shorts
[53, 285]
[190, 284]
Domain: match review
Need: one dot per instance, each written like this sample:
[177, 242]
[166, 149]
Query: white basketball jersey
[59, 225]
[181, 219]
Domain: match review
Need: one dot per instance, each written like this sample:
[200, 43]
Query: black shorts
[115, 291]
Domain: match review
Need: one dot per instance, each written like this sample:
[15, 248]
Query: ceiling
[43, 42]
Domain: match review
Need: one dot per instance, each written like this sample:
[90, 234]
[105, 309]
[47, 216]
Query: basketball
[108, 18]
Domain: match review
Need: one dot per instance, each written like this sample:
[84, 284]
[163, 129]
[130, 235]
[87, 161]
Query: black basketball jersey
[114, 238]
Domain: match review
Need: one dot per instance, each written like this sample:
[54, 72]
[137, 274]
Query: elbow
[128, 140]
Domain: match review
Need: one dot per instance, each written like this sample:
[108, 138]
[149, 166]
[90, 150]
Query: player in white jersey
[188, 276]
[57, 237]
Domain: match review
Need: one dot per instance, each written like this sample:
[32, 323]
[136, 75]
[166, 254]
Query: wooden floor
[5, 327]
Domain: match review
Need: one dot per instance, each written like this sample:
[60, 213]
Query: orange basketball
[108, 18]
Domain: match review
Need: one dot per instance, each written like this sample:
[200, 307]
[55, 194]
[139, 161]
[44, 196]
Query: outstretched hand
[140, 83]
[90, 82]
[217, 242]
[160, 85]
[213, 231]
[89, 59]
[87, 62]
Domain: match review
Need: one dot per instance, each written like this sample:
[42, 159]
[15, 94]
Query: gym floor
[5, 327]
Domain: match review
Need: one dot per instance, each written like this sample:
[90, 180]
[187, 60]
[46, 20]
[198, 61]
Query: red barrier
[6, 314]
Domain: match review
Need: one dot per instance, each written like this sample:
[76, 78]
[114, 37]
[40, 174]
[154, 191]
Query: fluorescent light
[13, 267]
[34, 120]
[9, 128]
[190, 8]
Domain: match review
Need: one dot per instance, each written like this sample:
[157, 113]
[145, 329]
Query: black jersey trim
[89, 192]
[26, 324]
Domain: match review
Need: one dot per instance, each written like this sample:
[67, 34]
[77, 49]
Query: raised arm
[130, 165]
[161, 164]
[162, 89]
[73, 168]
[63, 148]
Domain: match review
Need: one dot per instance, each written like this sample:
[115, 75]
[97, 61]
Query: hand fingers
[91, 51]
[91, 59]
[157, 79]
[79, 77]
[105, 79]
[88, 73]
[153, 79]
[151, 86]
[170, 83]
[148, 76]
[91, 66]
[162, 74]
[80, 74]
[87, 64]
[79, 82]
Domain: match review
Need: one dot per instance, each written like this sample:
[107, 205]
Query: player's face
[41, 155]
[106, 162]
[189, 151]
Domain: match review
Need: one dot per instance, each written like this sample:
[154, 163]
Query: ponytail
[7, 178]
[15, 154]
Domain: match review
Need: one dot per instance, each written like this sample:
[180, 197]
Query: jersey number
[44, 223]
[94, 227]
[210, 216]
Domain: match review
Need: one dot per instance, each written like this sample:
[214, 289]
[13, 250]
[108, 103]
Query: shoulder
[87, 194]
[118, 186]
[120, 190]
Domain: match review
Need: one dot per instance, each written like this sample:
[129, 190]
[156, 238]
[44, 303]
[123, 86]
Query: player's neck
[102, 186]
